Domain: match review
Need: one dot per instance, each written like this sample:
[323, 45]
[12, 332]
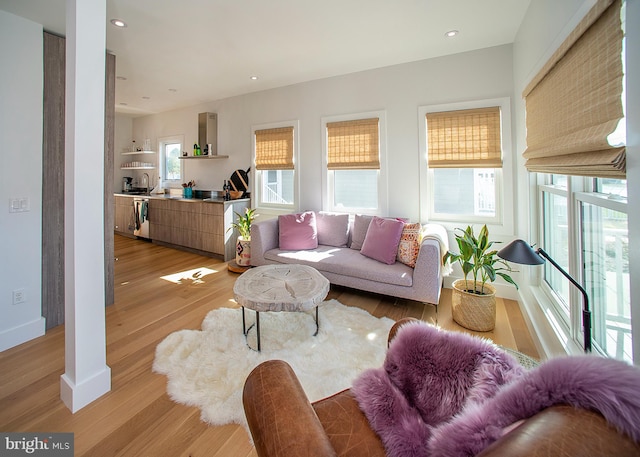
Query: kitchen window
[170, 150]
[275, 149]
[464, 149]
[353, 175]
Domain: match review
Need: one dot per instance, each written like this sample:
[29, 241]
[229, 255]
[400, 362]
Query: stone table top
[281, 288]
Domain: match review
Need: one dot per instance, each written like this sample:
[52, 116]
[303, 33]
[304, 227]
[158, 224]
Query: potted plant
[473, 300]
[243, 243]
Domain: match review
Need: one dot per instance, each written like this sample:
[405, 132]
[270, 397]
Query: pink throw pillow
[298, 231]
[382, 240]
[360, 227]
[333, 229]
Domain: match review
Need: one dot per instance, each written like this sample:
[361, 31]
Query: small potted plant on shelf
[243, 243]
[473, 300]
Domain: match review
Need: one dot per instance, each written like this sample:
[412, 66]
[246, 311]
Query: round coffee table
[274, 288]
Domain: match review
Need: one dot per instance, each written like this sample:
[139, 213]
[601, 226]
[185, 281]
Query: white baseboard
[78, 395]
[22, 333]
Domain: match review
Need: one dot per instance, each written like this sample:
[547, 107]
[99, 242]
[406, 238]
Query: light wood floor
[137, 418]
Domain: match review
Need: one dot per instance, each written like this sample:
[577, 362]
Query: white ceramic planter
[243, 251]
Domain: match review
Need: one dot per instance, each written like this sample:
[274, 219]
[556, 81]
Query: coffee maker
[126, 184]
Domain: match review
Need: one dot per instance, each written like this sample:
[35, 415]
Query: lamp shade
[519, 251]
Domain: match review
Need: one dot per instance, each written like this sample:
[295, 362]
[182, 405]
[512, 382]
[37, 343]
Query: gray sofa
[345, 266]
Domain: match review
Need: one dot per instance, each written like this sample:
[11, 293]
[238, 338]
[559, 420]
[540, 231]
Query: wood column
[53, 181]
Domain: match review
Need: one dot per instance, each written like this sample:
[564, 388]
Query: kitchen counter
[195, 224]
[180, 198]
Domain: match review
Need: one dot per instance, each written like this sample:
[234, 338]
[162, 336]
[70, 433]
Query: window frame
[257, 174]
[579, 190]
[503, 222]
[328, 195]
[163, 181]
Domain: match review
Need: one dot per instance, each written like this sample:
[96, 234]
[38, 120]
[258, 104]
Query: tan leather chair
[284, 423]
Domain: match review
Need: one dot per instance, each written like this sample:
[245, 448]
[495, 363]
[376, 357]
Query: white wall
[21, 82]
[633, 164]
[399, 90]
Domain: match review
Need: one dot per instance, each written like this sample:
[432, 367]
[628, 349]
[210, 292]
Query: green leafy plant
[244, 222]
[476, 258]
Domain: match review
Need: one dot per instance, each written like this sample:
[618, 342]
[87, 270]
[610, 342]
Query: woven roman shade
[274, 149]
[464, 138]
[575, 102]
[353, 144]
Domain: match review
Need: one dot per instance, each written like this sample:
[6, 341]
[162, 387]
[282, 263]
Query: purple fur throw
[429, 375]
[450, 394]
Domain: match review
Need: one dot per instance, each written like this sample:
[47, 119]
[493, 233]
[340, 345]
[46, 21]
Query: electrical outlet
[19, 296]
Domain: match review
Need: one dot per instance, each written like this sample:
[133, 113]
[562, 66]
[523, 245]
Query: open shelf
[215, 156]
[138, 152]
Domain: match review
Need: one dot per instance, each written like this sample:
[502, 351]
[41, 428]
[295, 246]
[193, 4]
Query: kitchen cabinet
[123, 214]
[196, 224]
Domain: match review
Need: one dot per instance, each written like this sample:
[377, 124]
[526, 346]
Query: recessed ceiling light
[451, 33]
[253, 78]
[121, 78]
[118, 22]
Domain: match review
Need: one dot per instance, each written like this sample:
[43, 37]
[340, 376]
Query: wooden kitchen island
[199, 225]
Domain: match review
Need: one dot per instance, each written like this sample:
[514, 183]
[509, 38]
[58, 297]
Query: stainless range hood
[208, 132]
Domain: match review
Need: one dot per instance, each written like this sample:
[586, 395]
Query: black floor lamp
[520, 251]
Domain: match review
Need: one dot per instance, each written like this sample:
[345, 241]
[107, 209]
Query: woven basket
[473, 311]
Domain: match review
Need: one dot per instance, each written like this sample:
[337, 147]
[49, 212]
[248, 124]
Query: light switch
[19, 205]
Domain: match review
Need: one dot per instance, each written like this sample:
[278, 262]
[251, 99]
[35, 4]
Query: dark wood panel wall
[53, 179]
[109, 140]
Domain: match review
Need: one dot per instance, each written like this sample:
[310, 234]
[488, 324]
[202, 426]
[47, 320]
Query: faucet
[147, 175]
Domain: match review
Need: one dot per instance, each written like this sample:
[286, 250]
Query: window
[576, 144]
[353, 175]
[592, 244]
[464, 147]
[274, 158]
[170, 150]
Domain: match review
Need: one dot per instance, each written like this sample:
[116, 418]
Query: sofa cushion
[382, 239]
[409, 245]
[360, 227]
[333, 229]
[347, 263]
[298, 231]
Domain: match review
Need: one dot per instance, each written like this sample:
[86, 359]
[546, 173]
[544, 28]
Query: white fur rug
[207, 368]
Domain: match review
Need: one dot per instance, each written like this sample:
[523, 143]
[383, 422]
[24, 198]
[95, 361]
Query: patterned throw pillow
[410, 244]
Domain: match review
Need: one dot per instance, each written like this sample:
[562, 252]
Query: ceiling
[176, 53]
